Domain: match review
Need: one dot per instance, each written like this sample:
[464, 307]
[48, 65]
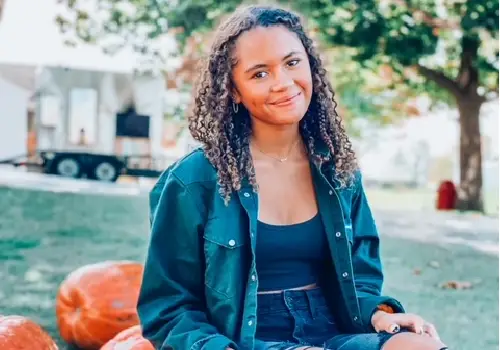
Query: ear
[236, 96]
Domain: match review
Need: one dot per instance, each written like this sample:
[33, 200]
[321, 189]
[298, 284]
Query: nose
[283, 82]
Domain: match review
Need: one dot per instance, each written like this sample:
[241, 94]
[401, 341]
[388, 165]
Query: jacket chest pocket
[224, 253]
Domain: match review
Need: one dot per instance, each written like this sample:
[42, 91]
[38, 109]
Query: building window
[82, 123]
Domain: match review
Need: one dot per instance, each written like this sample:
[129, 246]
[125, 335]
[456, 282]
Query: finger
[393, 328]
[431, 331]
[418, 326]
[413, 322]
[388, 324]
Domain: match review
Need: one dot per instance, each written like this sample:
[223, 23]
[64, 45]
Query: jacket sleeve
[171, 305]
[367, 265]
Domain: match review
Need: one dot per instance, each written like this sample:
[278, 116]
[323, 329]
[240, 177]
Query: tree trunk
[471, 175]
[465, 90]
[2, 6]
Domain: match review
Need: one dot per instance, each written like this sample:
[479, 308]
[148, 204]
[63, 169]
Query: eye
[259, 75]
[293, 62]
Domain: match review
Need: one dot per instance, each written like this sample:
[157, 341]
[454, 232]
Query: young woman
[263, 239]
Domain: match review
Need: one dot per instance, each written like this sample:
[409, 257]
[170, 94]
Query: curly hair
[225, 134]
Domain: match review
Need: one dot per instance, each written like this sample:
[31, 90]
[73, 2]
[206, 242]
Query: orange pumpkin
[129, 339]
[98, 301]
[20, 333]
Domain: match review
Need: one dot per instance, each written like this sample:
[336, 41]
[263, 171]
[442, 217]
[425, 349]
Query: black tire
[68, 167]
[105, 171]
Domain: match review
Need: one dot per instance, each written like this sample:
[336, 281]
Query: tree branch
[427, 17]
[440, 79]
[468, 76]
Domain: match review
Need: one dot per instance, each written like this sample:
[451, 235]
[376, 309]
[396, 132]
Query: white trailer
[81, 122]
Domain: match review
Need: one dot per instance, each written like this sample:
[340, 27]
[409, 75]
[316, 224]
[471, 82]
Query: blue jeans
[294, 319]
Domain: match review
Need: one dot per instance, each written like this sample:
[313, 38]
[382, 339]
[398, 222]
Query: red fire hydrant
[446, 196]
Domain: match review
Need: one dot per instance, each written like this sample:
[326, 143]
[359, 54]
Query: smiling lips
[286, 101]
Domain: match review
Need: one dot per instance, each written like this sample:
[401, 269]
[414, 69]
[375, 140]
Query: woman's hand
[392, 323]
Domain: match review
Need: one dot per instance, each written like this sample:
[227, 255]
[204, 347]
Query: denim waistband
[298, 299]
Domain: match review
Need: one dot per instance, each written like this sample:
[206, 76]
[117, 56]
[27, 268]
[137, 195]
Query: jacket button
[338, 234]
[232, 243]
[246, 194]
[330, 192]
[253, 278]
[355, 318]
[345, 274]
[250, 322]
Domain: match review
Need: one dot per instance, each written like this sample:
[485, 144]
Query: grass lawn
[44, 236]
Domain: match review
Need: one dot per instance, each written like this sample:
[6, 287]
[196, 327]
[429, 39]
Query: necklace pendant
[283, 159]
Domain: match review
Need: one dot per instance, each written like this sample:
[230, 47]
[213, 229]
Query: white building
[67, 89]
[425, 150]
[13, 119]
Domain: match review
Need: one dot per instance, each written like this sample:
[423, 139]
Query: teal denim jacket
[199, 288]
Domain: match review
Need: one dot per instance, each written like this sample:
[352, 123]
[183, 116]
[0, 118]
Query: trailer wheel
[68, 167]
[105, 171]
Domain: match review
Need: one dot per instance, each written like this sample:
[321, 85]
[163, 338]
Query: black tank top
[290, 256]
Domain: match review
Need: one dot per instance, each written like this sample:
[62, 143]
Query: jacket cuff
[216, 342]
[370, 304]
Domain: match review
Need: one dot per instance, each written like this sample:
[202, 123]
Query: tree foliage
[382, 53]
[428, 35]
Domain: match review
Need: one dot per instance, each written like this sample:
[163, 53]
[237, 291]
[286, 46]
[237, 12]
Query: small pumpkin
[98, 301]
[129, 339]
[20, 333]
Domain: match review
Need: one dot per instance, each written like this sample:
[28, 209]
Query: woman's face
[272, 75]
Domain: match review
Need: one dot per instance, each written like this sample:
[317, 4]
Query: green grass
[44, 236]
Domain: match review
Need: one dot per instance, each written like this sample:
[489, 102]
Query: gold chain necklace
[278, 158]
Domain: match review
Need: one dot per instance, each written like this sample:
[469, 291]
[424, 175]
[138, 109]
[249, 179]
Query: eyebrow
[261, 65]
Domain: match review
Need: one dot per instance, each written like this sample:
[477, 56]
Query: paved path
[477, 231]
[53, 183]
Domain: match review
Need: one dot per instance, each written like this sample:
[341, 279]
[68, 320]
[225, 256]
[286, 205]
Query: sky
[32, 37]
